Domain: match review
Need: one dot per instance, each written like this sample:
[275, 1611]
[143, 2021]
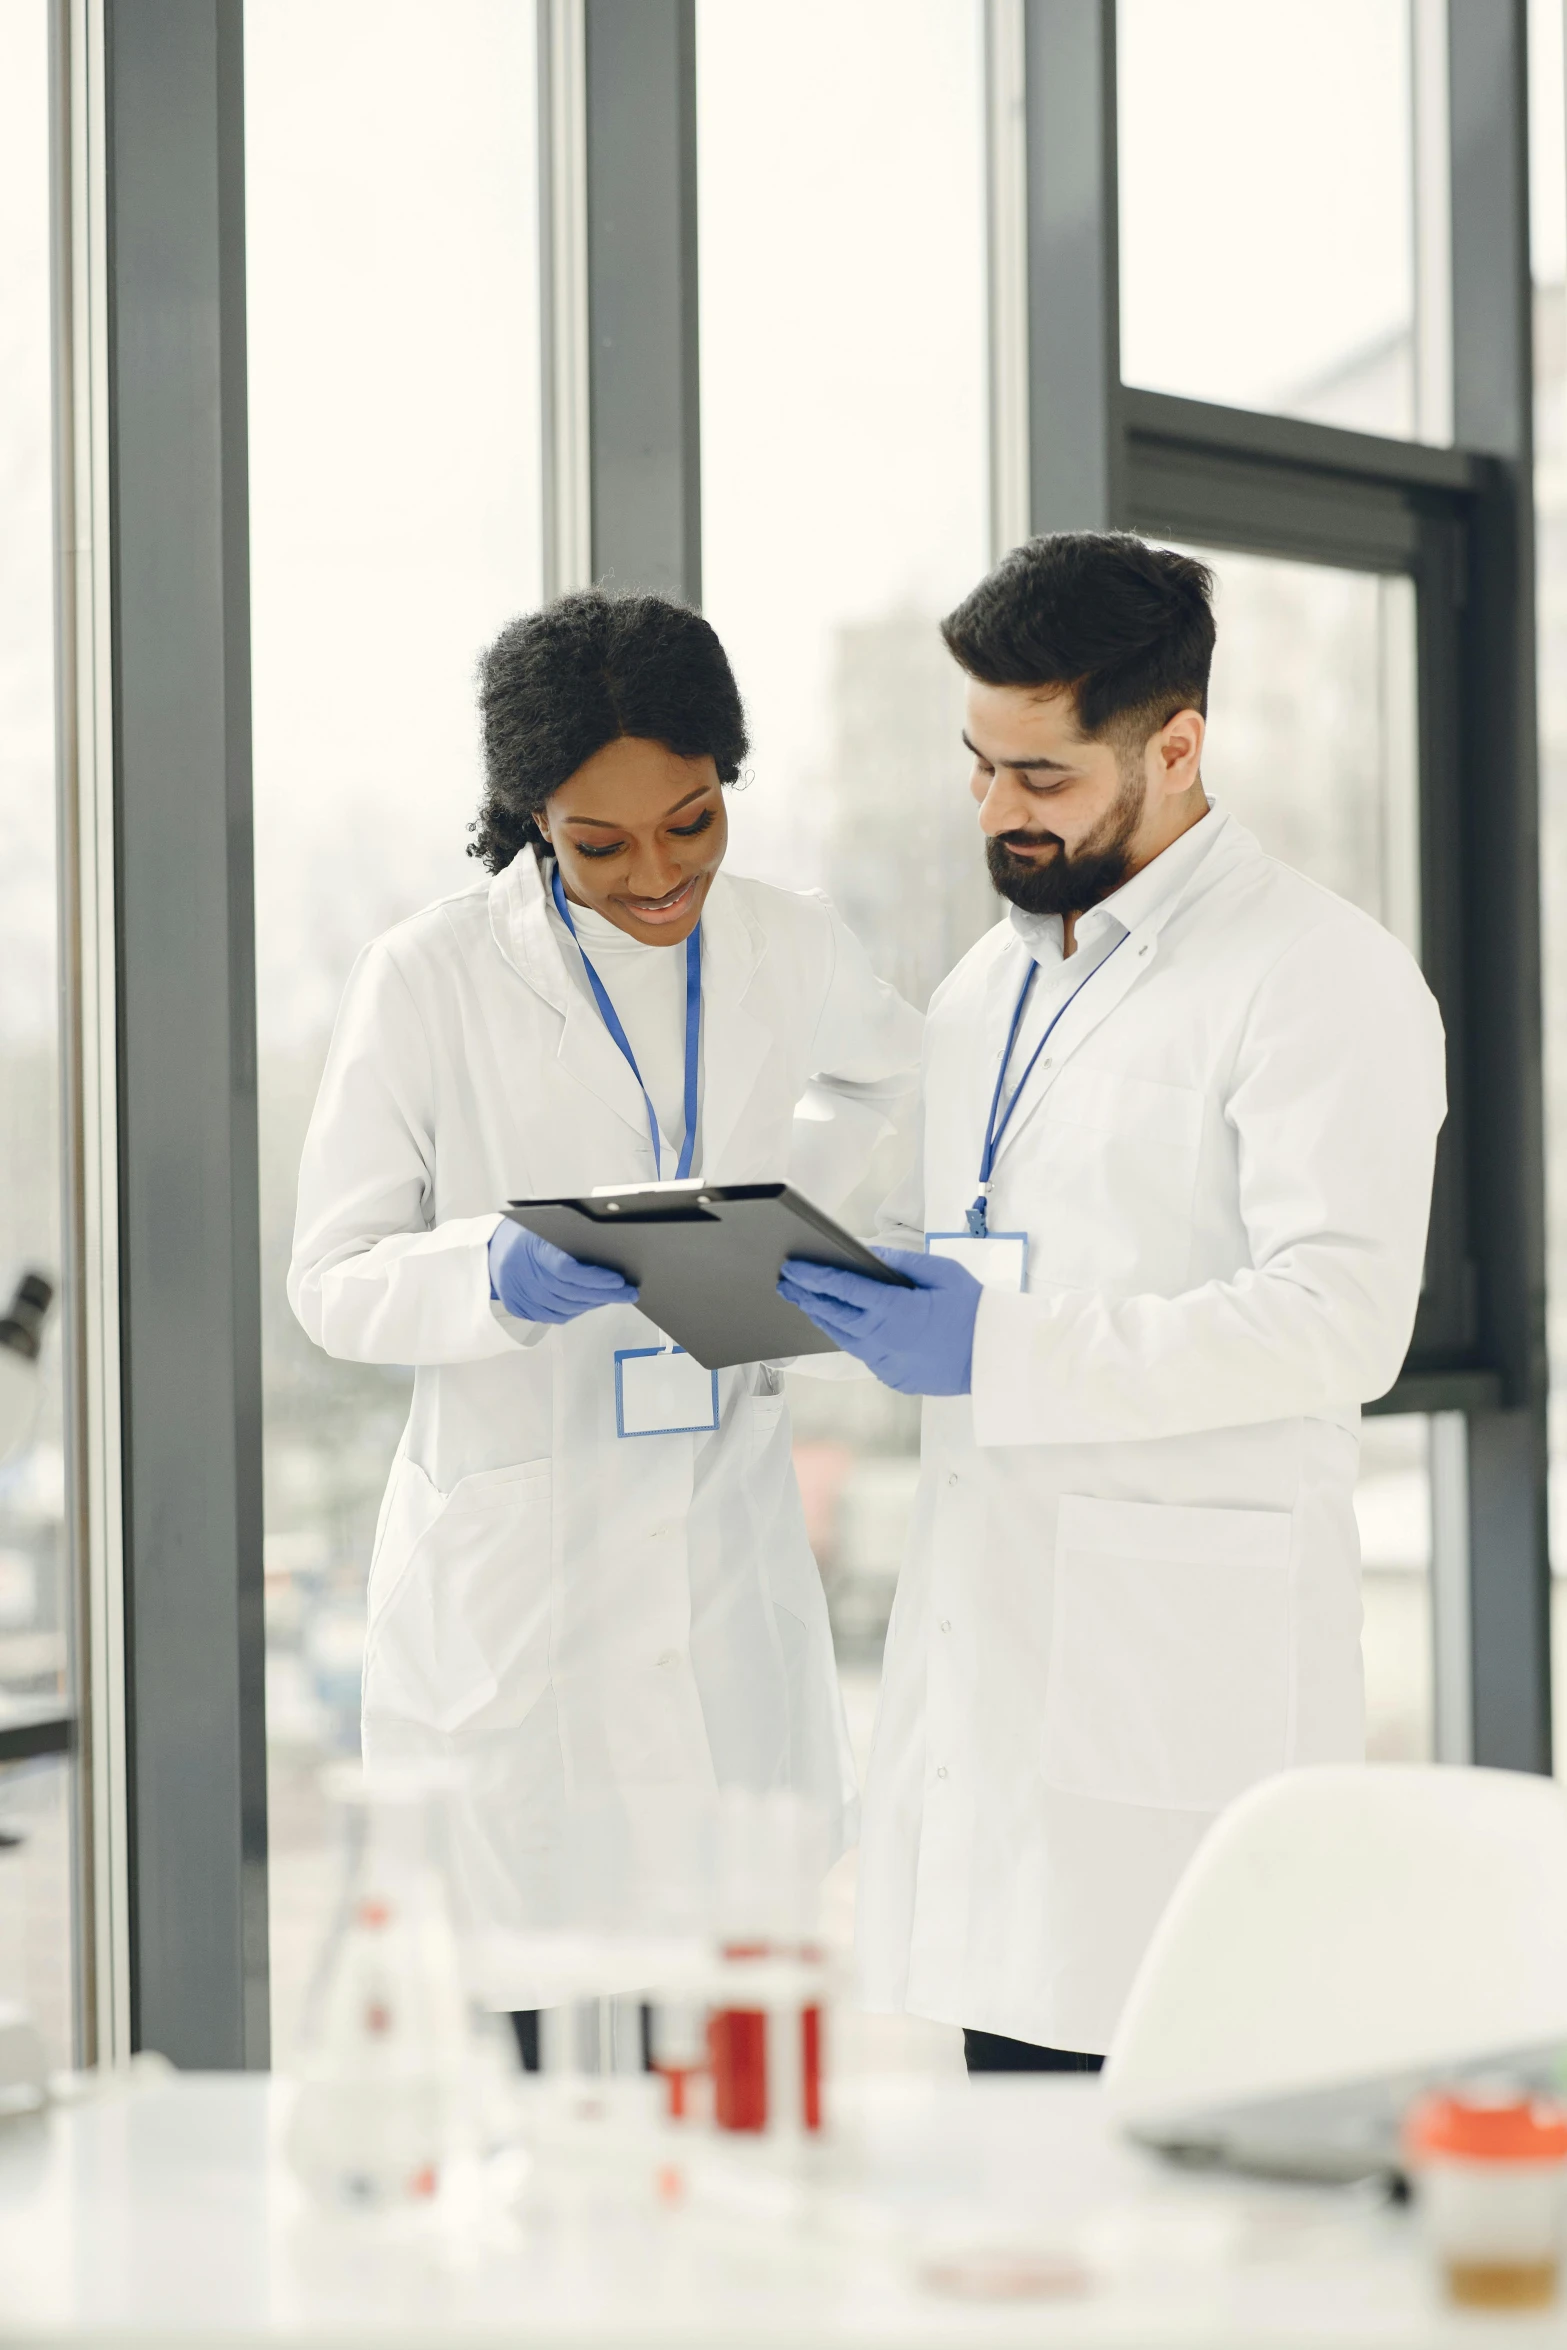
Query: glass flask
[389, 2069]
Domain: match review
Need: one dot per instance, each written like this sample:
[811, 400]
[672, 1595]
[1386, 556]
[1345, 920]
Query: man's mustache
[1029, 840]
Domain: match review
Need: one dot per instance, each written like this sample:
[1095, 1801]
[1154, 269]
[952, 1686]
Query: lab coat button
[946, 1623]
[663, 1530]
[670, 1657]
[941, 1770]
[952, 1480]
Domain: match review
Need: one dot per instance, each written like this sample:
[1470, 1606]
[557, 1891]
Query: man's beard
[1066, 884]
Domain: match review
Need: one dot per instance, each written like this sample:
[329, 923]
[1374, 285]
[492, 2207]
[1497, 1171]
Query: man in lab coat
[1180, 1108]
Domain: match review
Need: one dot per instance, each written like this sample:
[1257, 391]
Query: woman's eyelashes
[617, 848]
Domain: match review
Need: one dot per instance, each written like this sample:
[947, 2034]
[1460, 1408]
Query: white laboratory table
[165, 2213]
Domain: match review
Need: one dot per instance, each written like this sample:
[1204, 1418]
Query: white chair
[1340, 1937]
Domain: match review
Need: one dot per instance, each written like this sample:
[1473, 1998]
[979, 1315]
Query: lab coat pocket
[460, 1641]
[409, 1507]
[1169, 1654]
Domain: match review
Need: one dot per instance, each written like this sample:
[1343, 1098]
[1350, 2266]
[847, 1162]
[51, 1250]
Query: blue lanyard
[994, 1129]
[611, 1019]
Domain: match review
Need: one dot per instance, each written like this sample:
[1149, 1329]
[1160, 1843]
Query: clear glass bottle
[388, 2069]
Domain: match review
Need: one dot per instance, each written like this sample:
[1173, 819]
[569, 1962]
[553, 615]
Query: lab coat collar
[1152, 894]
[733, 1042]
[1142, 907]
[521, 927]
[1148, 897]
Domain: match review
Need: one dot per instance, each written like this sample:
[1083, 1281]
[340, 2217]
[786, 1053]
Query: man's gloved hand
[919, 1340]
[538, 1282]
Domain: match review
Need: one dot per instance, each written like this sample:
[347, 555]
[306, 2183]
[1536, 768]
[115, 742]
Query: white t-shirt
[647, 986]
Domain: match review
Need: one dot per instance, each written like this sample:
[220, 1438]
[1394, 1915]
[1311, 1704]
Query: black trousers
[525, 2023]
[983, 2052]
[992, 2052]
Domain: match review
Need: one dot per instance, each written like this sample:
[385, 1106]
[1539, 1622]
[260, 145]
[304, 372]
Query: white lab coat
[585, 1620]
[1132, 1586]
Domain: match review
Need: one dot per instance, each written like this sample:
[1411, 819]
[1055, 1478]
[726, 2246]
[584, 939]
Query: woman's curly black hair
[559, 684]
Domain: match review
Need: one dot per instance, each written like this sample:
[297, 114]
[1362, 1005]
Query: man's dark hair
[559, 684]
[1127, 626]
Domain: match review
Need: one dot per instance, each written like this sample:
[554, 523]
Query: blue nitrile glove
[918, 1340]
[538, 1282]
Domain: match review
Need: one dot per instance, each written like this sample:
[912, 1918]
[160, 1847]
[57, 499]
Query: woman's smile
[665, 909]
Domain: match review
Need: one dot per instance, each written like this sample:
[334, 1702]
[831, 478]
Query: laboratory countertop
[165, 2212]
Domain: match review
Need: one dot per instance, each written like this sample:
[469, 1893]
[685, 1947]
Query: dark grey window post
[644, 452]
[1074, 277]
[189, 1304]
[1492, 413]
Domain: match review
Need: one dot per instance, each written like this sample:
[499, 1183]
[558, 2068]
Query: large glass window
[35, 1611]
[1267, 176]
[1312, 740]
[395, 489]
[844, 442]
[844, 495]
[845, 503]
[1312, 745]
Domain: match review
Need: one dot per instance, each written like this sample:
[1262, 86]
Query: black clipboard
[706, 1258]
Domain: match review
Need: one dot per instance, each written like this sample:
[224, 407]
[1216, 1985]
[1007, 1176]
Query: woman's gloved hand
[538, 1282]
[919, 1340]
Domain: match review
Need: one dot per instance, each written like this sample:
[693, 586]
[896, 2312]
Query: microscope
[21, 1338]
[23, 2064]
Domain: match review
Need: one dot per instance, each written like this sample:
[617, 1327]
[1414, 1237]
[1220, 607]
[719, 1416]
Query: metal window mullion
[1398, 671]
[89, 1014]
[1333, 454]
[1074, 319]
[1431, 221]
[1006, 270]
[1221, 501]
[643, 401]
[1502, 1036]
[188, 1267]
[1452, 1648]
[563, 291]
[1446, 1327]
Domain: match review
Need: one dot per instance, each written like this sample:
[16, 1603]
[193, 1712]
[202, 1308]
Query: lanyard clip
[975, 1218]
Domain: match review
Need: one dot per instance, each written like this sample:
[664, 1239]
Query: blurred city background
[394, 426]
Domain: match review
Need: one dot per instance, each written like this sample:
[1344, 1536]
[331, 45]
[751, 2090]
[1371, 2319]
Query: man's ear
[1175, 760]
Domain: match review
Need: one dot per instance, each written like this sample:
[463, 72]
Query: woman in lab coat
[592, 1622]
